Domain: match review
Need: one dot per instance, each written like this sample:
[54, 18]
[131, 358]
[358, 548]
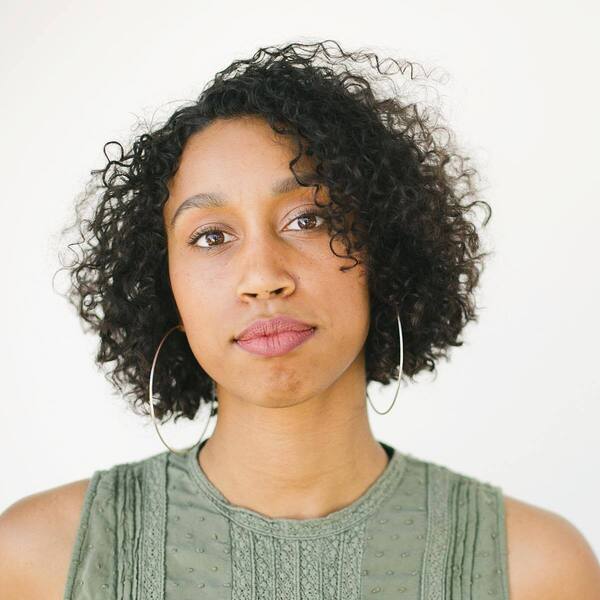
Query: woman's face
[264, 261]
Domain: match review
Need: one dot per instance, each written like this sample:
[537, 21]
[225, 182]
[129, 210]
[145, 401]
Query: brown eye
[310, 217]
[213, 233]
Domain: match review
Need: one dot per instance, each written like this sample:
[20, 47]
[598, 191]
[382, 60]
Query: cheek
[354, 310]
[200, 305]
[349, 304]
[196, 298]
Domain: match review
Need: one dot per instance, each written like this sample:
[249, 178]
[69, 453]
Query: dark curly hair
[382, 161]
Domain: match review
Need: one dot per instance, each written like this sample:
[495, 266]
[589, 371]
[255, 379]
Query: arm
[549, 558]
[37, 534]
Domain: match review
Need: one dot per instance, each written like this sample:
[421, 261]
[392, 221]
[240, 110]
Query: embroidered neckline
[336, 521]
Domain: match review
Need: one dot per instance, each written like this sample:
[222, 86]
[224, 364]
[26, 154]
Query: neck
[297, 462]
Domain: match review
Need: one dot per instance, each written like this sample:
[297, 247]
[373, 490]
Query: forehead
[238, 159]
[242, 146]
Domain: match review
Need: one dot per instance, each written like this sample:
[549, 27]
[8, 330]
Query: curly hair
[381, 158]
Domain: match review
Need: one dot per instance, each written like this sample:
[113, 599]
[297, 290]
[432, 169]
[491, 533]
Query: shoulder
[37, 533]
[548, 557]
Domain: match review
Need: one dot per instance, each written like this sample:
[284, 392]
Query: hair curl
[381, 161]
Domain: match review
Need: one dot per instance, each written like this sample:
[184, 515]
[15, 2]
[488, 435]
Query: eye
[312, 214]
[210, 231]
[309, 215]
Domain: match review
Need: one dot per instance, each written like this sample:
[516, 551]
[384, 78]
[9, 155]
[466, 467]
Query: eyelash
[198, 234]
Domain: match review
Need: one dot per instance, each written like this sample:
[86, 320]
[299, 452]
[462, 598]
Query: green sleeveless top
[158, 529]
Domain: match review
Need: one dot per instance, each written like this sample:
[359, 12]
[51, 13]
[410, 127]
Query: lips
[271, 327]
[276, 345]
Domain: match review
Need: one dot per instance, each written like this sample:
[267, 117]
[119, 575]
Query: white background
[517, 405]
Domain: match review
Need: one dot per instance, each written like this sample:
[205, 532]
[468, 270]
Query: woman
[275, 246]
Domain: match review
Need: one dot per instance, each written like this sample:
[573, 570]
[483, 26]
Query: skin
[303, 414]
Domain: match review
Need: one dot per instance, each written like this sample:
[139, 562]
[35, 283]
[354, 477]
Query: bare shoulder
[548, 557]
[37, 534]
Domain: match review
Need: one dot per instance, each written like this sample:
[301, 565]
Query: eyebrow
[215, 200]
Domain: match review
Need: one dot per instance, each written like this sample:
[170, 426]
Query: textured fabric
[158, 529]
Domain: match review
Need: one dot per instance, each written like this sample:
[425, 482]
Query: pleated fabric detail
[119, 549]
[465, 555]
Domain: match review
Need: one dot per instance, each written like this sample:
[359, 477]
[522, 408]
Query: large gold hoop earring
[399, 371]
[150, 396]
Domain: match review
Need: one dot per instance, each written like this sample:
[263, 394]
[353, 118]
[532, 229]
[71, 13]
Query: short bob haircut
[382, 162]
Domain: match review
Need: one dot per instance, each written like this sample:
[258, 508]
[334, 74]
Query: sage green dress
[158, 529]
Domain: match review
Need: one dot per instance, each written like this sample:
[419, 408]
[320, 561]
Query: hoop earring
[399, 372]
[150, 395]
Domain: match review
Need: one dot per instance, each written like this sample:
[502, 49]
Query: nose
[266, 272]
[267, 293]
